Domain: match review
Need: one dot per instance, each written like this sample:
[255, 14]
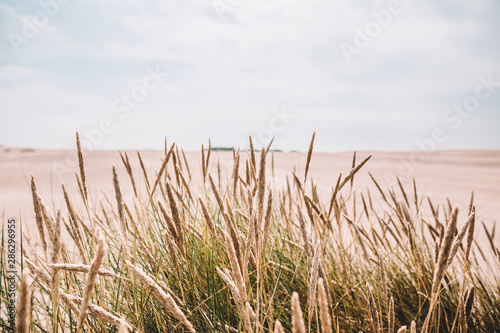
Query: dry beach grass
[207, 250]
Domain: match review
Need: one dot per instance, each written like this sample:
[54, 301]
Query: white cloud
[229, 74]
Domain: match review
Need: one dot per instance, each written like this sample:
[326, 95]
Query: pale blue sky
[230, 74]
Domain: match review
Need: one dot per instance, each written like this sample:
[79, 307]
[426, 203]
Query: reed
[83, 178]
[309, 156]
[83, 269]
[161, 296]
[373, 310]
[23, 311]
[278, 328]
[313, 282]
[235, 253]
[38, 215]
[391, 316]
[128, 167]
[326, 321]
[441, 265]
[91, 280]
[75, 231]
[297, 319]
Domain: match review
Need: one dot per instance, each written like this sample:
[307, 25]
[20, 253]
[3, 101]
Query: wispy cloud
[227, 73]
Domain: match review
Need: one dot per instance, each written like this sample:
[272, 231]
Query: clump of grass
[235, 255]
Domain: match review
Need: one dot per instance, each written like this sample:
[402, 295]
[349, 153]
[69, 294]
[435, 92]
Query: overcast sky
[365, 75]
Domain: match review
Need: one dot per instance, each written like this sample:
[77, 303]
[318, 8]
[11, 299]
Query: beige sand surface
[439, 174]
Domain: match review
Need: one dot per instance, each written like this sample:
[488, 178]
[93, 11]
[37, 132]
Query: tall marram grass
[237, 255]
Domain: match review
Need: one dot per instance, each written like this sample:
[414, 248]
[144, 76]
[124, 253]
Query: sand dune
[439, 174]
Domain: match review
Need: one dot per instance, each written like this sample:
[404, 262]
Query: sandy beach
[439, 175]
